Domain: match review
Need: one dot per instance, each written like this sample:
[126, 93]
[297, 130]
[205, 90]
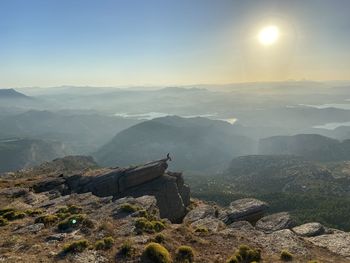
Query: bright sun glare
[268, 35]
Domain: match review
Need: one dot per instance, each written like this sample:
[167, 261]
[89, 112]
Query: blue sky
[154, 42]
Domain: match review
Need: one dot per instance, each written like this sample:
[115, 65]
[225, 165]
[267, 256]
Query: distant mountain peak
[11, 93]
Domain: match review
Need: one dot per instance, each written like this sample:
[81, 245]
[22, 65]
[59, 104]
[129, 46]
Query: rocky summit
[71, 210]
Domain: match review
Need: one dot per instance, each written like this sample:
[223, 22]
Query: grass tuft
[184, 254]
[156, 253]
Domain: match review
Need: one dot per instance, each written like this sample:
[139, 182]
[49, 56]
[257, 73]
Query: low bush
[126, 250]
[3, 221]
[201, 229]
[47, 220]
[286, 255]
[5, 210]
[155, 253]
[129, 208]
[76, 246]
[34, 212]
[184, 254]
[75, 221]
[143, 225]
[245, 254]
[13, 215]
[104, 244]
[159, 238]
[70, 209]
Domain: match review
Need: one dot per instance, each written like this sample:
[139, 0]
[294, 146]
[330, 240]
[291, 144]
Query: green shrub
[156, 253]
[144, 225]
[286, 255]
[34, 212]
[75, 221]
[126, 250]
[129, 208]
[70, 209]
[47, 220]
[245, 254]
[76, 246]
[5, 210]
[201, 229]
[105, 243]
[13, 215]
[313, 261]
[184, 254]
[159, 238]
[62, 216]
[3, 221]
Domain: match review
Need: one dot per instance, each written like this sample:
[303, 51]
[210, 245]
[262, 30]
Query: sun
[268, 35]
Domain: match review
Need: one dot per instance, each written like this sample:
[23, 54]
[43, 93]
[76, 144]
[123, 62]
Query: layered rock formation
[173, 196]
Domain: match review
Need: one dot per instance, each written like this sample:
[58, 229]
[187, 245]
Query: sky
[162, 42]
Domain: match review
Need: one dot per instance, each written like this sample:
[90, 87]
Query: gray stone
[14, 192]
[31, 229]
[56, 237]
[212, 224]
[243, 225]
[284, 239]
[275, 222]
[248, 209]
[309, 230]
[337, 243]
[200, 212]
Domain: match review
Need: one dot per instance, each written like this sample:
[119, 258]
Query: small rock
[275, 222]
[31, 229]
[56, 237]
[309, 230]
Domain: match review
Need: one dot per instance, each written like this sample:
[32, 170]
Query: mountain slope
[84, 132]
[17, 154]
[311, 146]
[11, 94]
[196, 144]
[309, 190]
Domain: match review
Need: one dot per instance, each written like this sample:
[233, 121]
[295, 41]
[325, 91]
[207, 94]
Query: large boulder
[248, 209]
[275, 222]
[309, 229]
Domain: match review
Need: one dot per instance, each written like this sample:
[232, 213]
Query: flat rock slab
[337, 243]
[244, 225]
[283, 240]
[248, 209]
[275, 222]
[309, 229]
[200, 212]
[212, 224]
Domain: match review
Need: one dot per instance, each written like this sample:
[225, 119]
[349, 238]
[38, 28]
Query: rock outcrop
[338, 243]
[275, 222]
[309, 229]
[172, 195]
[248, 209]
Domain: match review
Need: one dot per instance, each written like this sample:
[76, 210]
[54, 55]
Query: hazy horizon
[123, 43]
